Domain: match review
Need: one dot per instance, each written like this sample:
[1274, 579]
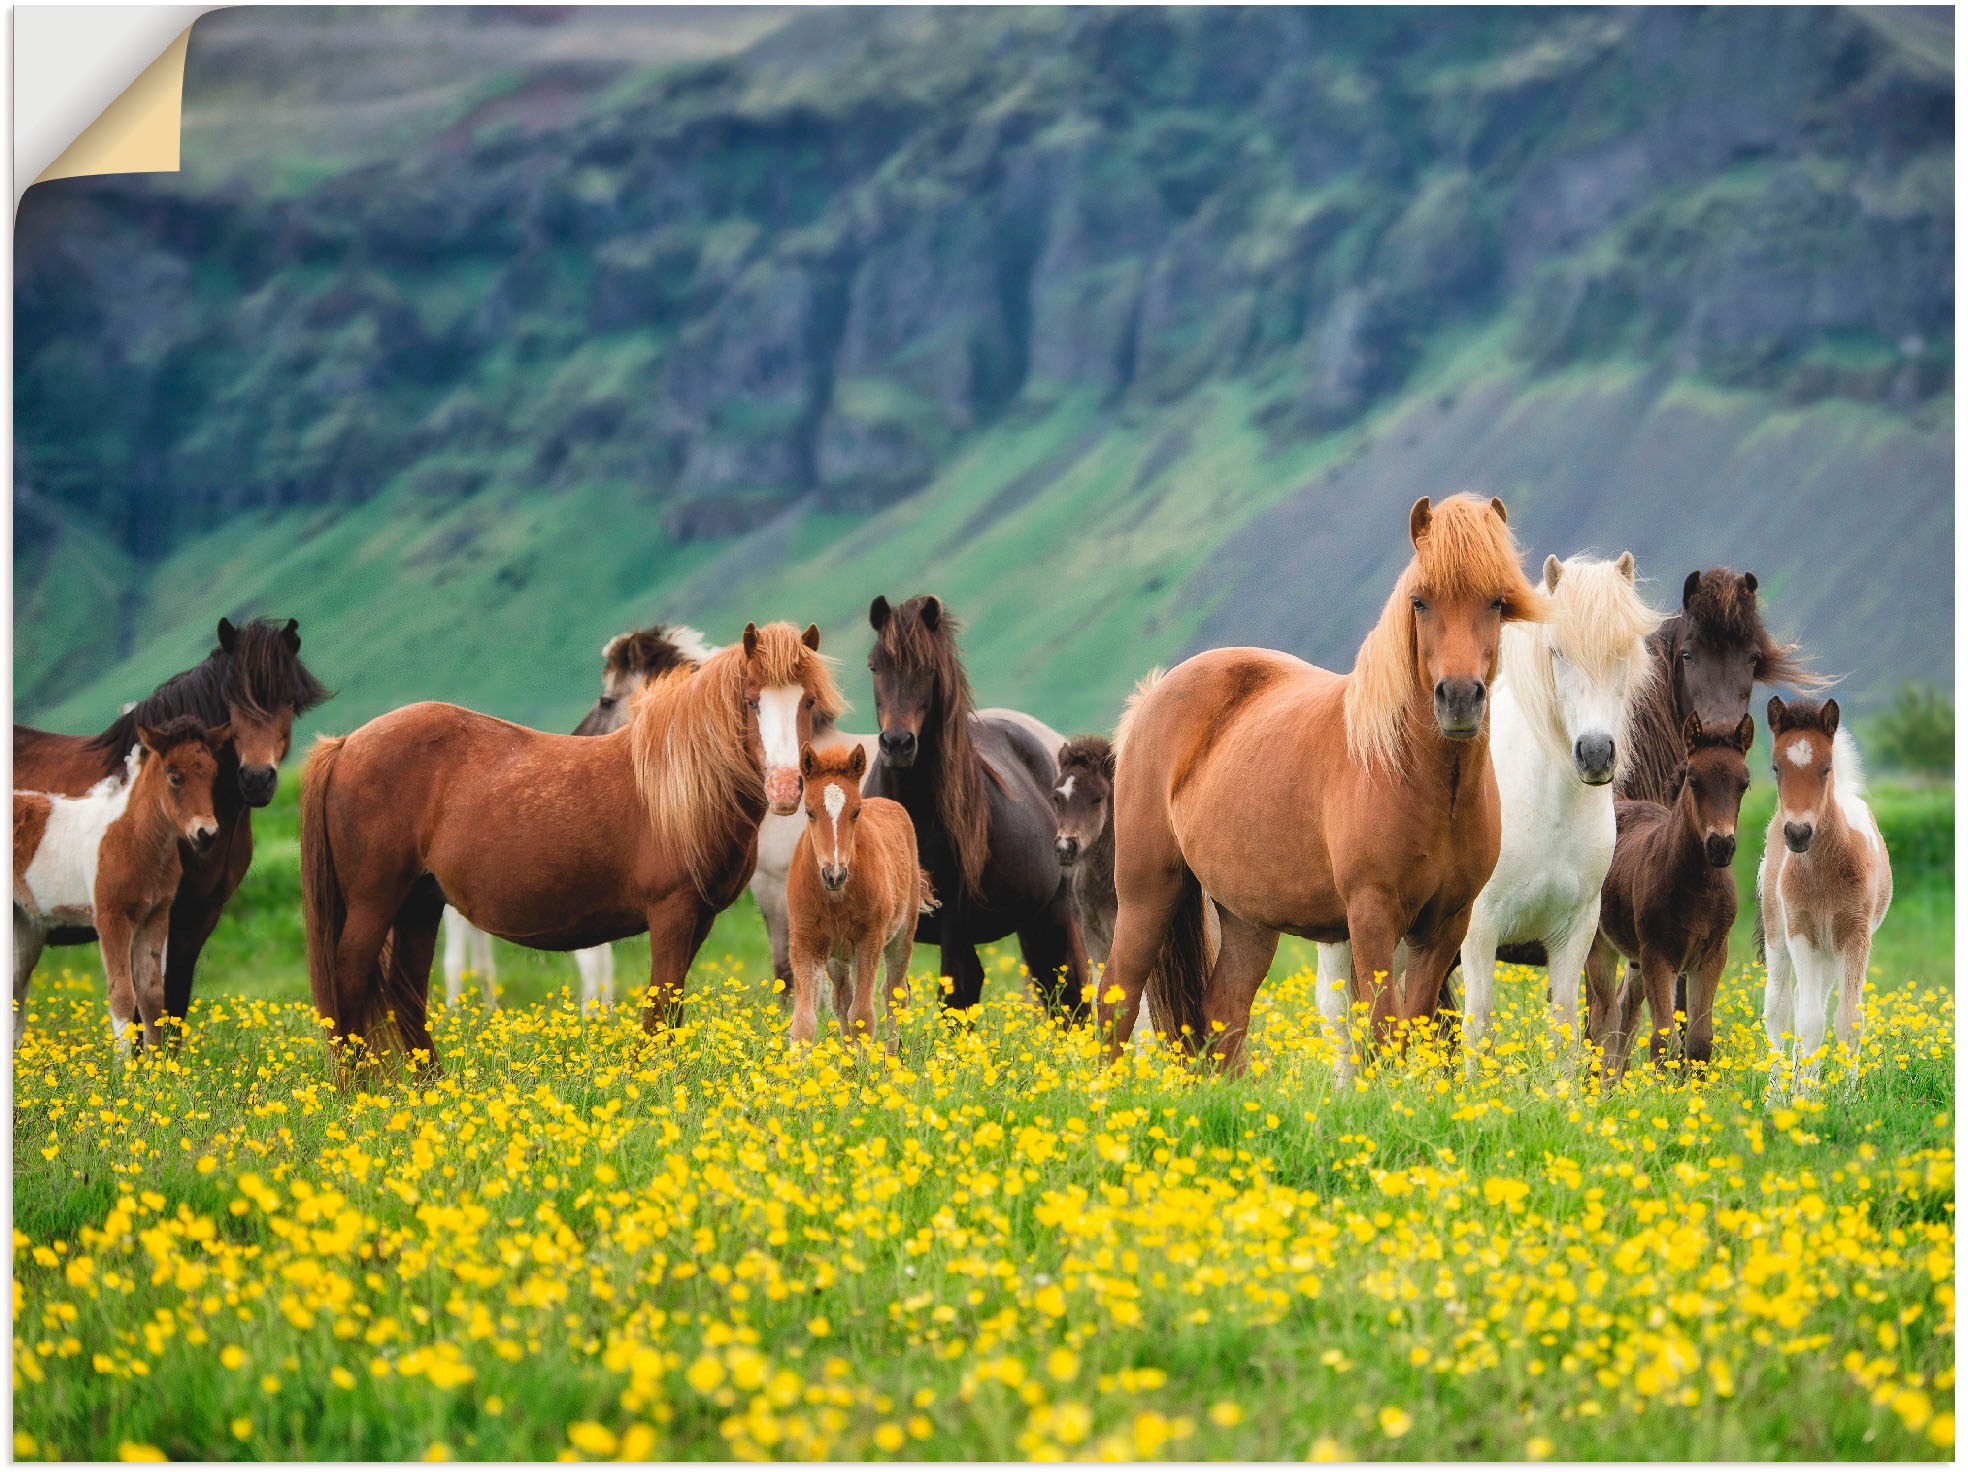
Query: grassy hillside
[1127, 331]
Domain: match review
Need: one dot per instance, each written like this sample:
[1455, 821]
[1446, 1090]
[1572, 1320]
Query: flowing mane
[646, 653]
[1465, 551]
[262, 673]
[960, 800]
[687, 734]
[1598, 619]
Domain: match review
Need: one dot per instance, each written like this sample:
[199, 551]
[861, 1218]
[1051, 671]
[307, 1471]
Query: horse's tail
[926, 899]
[1142, 686]
[323, 905]
[1175, 982]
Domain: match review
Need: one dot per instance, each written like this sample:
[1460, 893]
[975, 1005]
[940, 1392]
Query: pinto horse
[553, 842]
[255, 684]
[1357, 807]
[978, 788]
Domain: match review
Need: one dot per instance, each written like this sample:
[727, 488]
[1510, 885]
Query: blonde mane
[693, 770]
[1464, 552]
[1598, 622]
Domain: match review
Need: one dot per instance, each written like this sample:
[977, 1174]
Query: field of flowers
[575, 1244]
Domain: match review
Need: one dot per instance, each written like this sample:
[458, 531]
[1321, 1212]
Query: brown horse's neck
[1681, 853]
[152, 836]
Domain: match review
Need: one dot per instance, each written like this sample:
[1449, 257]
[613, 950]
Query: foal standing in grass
[1823, 886]
[1670, 899]
[852, 894]
[110, 859]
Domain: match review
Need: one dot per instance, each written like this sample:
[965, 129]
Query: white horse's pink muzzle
[782, 789]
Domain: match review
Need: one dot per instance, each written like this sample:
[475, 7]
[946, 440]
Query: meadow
[576, 1243]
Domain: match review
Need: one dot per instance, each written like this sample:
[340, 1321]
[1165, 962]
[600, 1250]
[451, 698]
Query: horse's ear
[857, 762]
[1625, 566]
[1553, 570]
[1418, 518]
[218, 736]
[811, 638]
[1691, 730]
[1749, 583]
[932, 612]
[1107, 764]
[291, 636]
[1828, 718]
[806, 759]
[878, 612]
[1496, 505]
[151, 737]
[227, 635]
[1745, 734]
[1690, 587]
[751, 640]
[1774, 713]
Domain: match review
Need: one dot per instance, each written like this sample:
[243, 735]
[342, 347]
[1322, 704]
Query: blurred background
[470, 337]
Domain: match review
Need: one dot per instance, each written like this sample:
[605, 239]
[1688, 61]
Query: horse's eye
[1419, 606]
[1496, 606]
[1687, 656]
[609, 699]
[177, 779]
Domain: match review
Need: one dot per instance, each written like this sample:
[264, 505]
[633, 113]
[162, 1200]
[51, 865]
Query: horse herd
[1545, 771]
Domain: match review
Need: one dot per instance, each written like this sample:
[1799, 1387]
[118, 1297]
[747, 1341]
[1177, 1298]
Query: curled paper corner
[93, 94]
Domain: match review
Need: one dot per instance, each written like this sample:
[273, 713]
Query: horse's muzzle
[1592, 755]
[1721, 849]
[256, 785]
[1459, 707]
[1797, 836]
[1068, 850]
[782, 790]
[898, 748]
[201, 838]
[834, 876]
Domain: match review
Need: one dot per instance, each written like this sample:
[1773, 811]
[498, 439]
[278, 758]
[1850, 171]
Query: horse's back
[48, 761]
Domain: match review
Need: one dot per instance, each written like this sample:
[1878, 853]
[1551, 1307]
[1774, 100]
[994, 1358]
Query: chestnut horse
[1822, 889]
[852, 895]
[254, 683]
[978, 789]
[553, 842]
[1669, 901]
[1356, 807]
[110, 859]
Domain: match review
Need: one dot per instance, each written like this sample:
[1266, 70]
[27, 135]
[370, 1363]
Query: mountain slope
[1129, 331]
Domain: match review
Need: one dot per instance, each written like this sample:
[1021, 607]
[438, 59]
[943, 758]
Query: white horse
[1560, 714]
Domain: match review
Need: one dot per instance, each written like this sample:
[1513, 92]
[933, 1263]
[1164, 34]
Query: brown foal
[1669, 900]
[852, 894]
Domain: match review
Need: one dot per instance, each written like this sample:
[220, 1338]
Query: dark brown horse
[979, 791]
[1669, 900]
[552, 842]
[254, 682]
[1707, 660]
[1358, 807]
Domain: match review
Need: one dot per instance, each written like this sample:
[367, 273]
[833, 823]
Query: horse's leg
[1632, 996]
[1704, 980]
[1657, 978]
[485, 966]
[1373, 928]
[1150, 881]
[1854, 955]
[597, 968]
[28, 941]
[147, 973]
[840, 981]
[1565, 960]
[895, 977]
[1814, 982]
[1335, 988]
[1779, 997]
[116, 930]
[858, 1019]
[1428, 967]
[456, 963]
[809, 968]
[678, 923]
[1242, 959]
[1053, 954]
[413, 943]
[193, 918]
[772, 905]
[1479, 960]
[963, 969]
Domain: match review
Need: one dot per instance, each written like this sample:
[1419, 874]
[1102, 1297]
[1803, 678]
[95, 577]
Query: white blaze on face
[779, 730]
[835, 799]
[1799, 752]
[1066, 789]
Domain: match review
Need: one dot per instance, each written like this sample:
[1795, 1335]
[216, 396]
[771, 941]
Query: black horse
[979, 792]
[253, 681]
